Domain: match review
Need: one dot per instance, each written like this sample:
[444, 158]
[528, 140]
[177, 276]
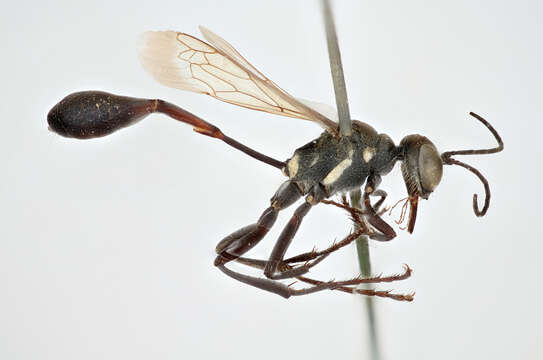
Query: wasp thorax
[422, 166]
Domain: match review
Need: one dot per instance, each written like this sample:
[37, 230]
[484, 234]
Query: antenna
[448, 160]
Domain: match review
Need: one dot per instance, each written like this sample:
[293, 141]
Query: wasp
[332, 164]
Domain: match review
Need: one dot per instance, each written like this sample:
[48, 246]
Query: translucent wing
[184, 62]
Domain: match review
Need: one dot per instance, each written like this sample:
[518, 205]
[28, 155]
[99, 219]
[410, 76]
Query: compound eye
[430, 167]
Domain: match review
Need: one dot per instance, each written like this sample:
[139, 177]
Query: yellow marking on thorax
[368, 153]
[293, 165]
[337, 171]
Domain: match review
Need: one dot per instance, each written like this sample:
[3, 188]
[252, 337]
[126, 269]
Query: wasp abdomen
[90, 114]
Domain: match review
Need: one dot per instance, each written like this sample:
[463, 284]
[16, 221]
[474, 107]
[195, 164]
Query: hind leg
[244, 239]
[239, 242]
[283, 242]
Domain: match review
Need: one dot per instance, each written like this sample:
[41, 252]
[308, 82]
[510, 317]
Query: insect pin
[332, 164]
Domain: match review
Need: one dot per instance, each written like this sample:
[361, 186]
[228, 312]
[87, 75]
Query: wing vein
[201, 80]
[217, 69]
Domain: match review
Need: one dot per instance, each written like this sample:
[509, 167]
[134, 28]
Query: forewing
[182, 61]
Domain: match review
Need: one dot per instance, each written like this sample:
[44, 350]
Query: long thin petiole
[203, 127]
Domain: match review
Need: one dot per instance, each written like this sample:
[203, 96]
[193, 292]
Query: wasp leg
[284, 241]
[244, 239]
[308, 256]
[261, 283]
[234, 245]
[288, 233]
[348, 286]
[370, 214]
[383, 195]
[273, 286]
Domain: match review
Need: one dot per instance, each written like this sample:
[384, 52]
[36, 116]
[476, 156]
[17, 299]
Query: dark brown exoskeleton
[332, 164]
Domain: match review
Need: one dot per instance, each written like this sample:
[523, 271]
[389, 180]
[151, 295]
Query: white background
[107, 245]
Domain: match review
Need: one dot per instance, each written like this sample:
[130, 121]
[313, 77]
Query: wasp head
[422, 169]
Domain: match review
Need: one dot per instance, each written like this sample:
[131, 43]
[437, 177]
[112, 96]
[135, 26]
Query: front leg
[386, 232]
[383, 195]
